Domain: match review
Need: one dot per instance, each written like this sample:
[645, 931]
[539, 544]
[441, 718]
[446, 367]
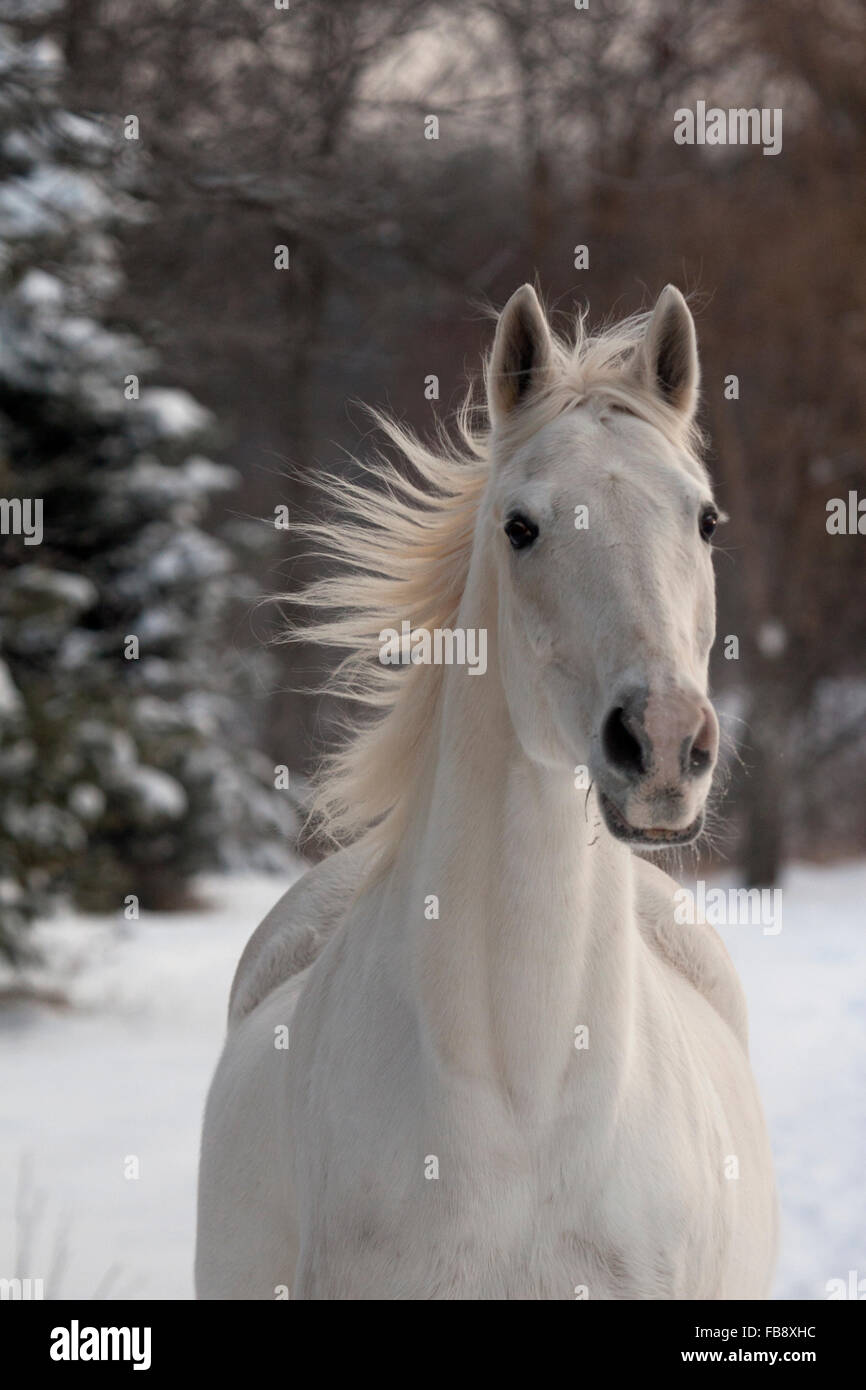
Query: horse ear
[667, 359]
[522, 354]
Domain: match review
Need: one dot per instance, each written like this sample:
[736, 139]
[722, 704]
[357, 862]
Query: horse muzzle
[658, 750]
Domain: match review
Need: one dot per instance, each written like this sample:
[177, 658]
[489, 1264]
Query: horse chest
[581, 1221]
[482, 1211]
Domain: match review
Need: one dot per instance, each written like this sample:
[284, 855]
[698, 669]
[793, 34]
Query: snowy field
[122, 1075]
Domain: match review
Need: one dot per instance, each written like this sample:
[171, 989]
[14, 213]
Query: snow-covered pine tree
[127, 758]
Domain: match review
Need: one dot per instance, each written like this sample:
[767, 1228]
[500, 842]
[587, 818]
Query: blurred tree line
[128, 760]
[308, 127]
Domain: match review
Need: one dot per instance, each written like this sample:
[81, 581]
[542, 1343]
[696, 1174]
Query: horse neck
[535, 935]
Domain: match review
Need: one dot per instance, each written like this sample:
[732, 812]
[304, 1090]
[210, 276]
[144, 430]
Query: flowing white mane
[401, 548]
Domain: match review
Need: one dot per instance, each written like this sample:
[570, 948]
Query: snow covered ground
[122, 1075]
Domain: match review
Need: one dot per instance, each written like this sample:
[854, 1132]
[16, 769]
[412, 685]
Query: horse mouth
[647, 838]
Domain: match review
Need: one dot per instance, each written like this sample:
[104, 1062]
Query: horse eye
[520, 531]
[709, 520]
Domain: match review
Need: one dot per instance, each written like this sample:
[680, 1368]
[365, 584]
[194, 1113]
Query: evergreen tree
[127, 760]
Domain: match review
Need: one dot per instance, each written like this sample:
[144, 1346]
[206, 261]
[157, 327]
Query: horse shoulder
[695, 950]
[292, 935]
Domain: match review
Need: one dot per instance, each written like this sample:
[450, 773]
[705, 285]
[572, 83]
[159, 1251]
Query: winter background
[168, 392]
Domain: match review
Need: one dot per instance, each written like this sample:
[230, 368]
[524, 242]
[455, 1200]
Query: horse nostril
[699, 759]
[701, 751]
[622, 750]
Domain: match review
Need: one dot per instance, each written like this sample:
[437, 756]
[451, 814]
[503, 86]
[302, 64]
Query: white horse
[510, 1072]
